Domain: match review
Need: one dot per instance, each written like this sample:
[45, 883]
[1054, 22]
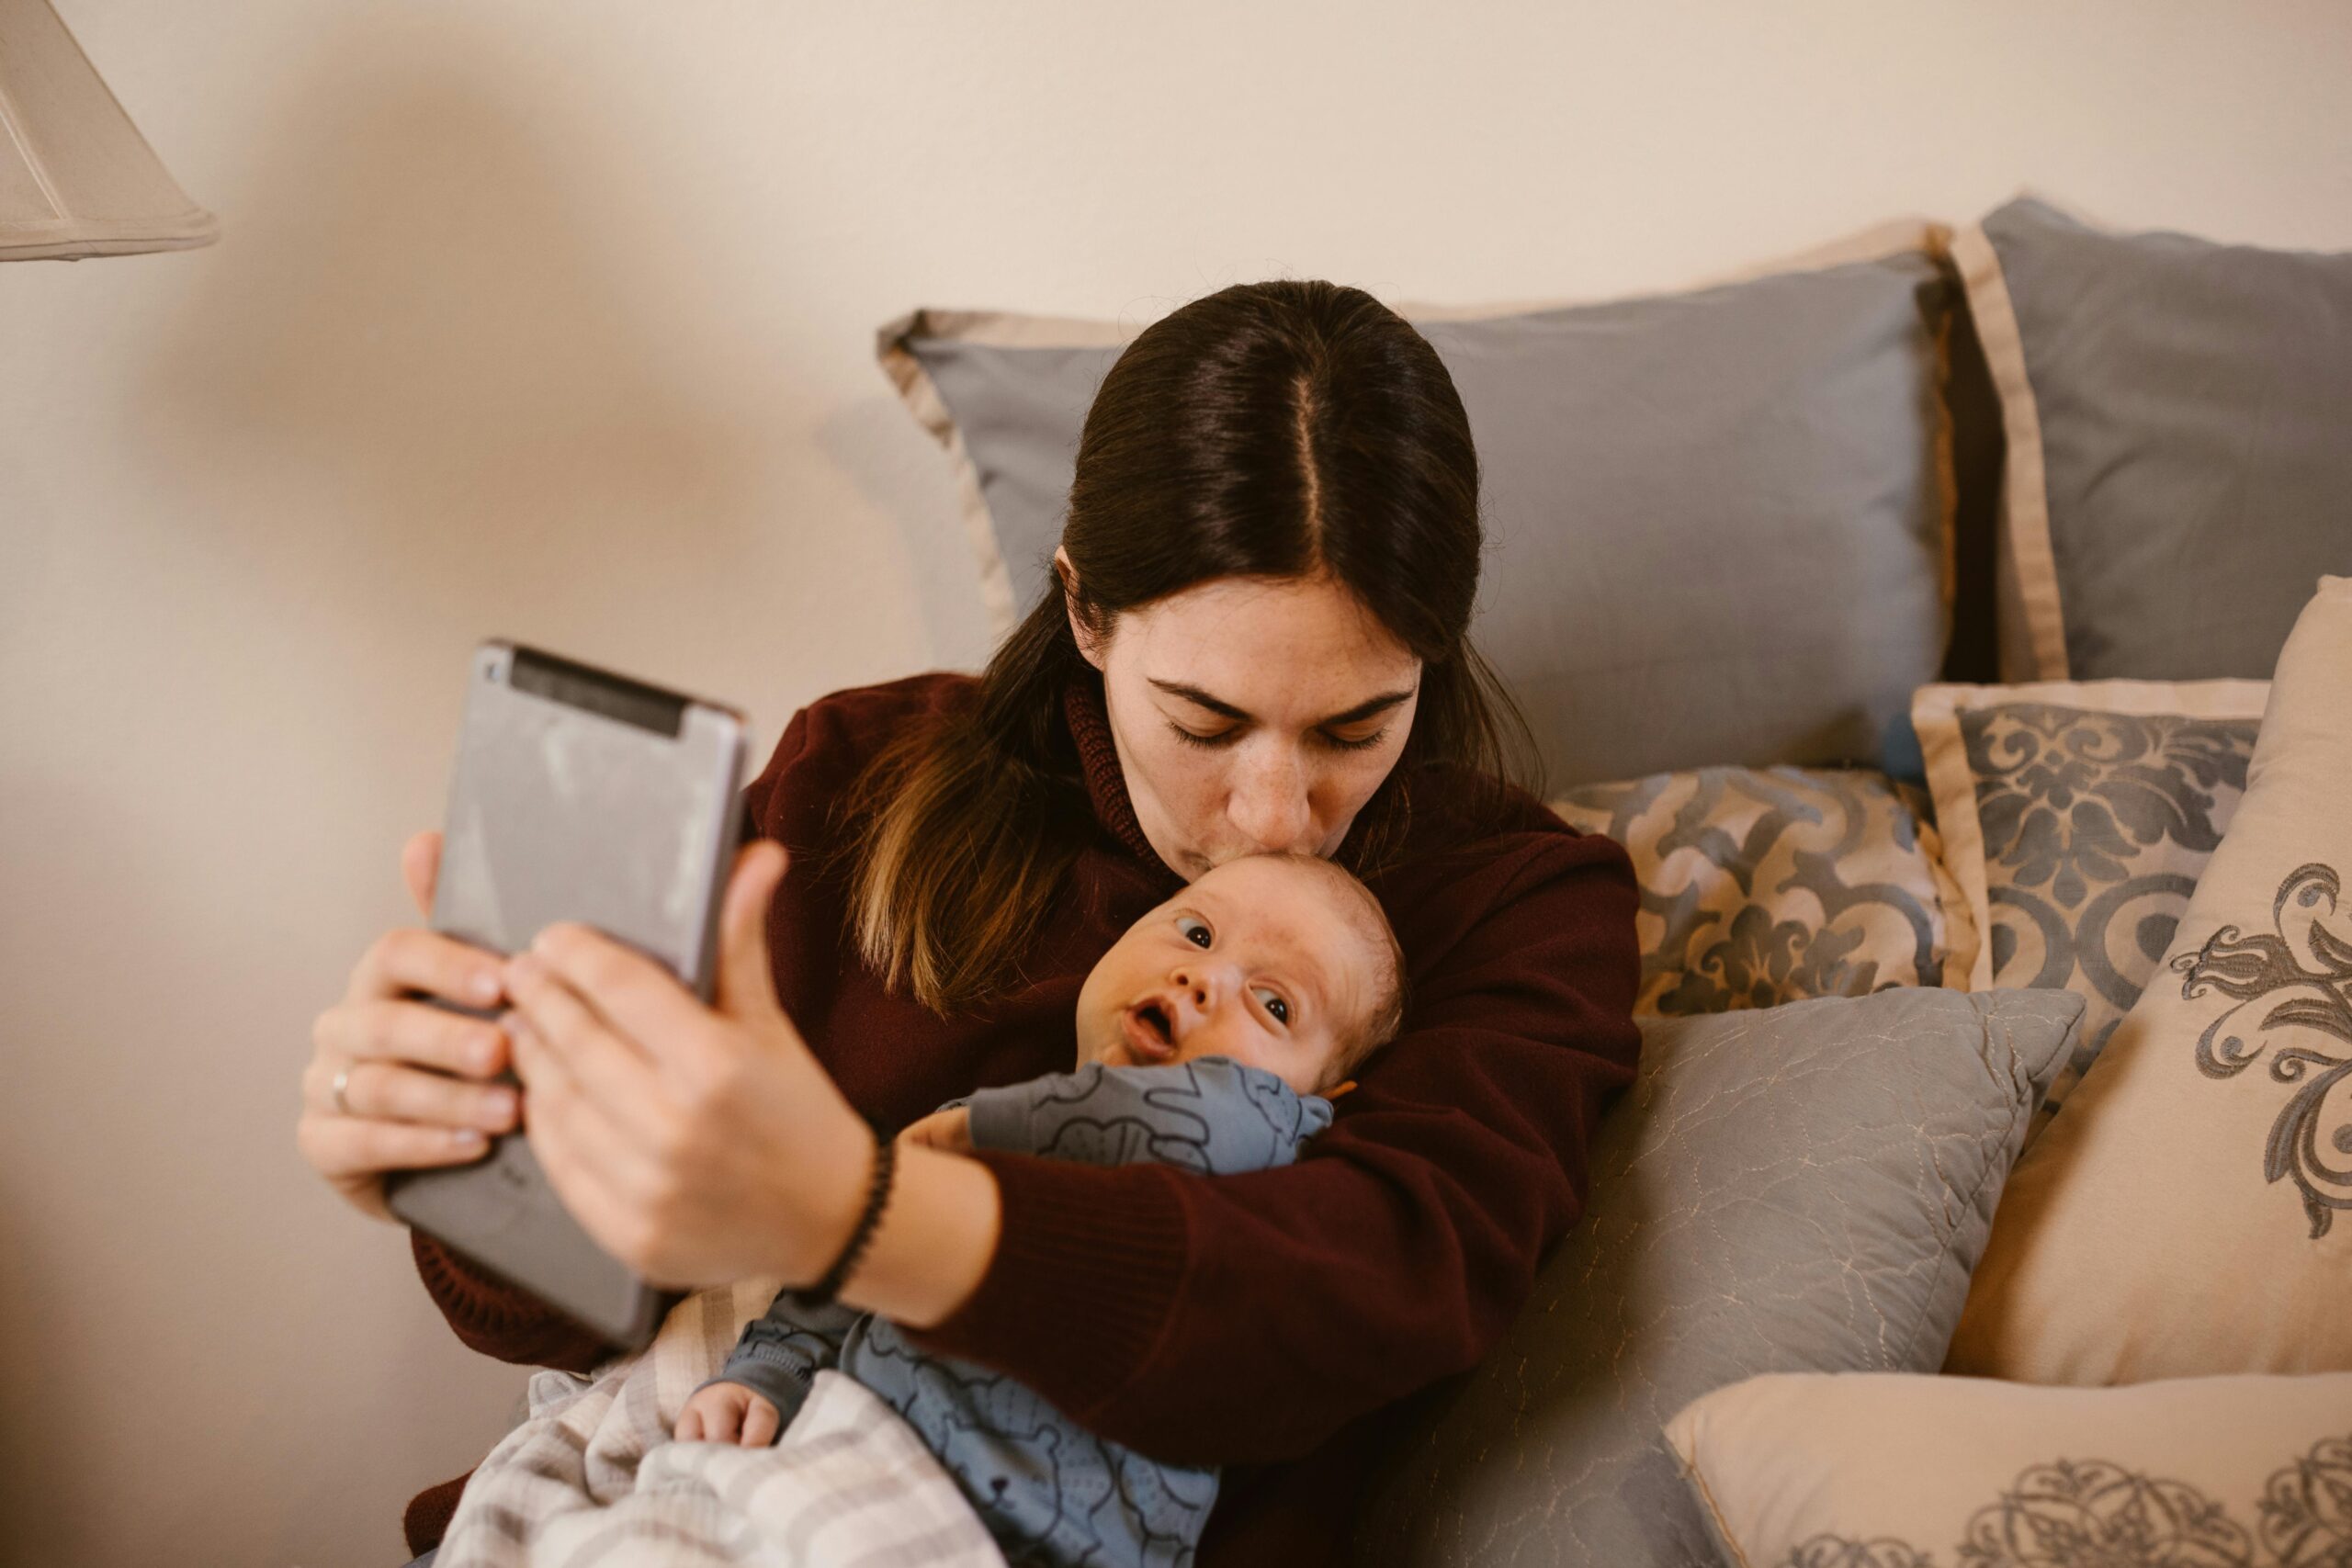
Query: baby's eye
[1272, 1002]
[1195, 929]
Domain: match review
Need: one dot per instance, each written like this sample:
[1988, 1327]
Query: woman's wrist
[878, 1183]
[934, 1242]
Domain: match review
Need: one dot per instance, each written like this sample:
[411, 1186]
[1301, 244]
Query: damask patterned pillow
[2077, 817]
[1868, 1469]
[1764, 885]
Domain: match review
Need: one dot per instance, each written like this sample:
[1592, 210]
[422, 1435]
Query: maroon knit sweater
[1258, 1321]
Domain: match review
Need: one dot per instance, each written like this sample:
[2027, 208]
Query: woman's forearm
[934, 1241]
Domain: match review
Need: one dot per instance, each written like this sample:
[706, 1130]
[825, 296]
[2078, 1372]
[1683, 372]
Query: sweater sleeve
[782, 1350]
[497, 1319]
[1246, 1318]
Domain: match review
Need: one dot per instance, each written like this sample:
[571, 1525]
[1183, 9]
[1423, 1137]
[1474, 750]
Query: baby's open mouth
[1150, 1033]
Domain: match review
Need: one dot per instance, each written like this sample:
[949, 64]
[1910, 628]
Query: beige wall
[554, 320]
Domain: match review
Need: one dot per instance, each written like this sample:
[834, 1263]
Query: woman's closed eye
[1363, 743]
[1207, 742]
[1227, 737]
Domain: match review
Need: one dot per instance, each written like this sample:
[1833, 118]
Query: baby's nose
[1203, 987]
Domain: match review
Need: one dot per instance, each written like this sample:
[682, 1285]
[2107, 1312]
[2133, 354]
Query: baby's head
[1281, 962]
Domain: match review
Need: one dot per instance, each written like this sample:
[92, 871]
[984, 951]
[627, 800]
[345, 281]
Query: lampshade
[76, 178]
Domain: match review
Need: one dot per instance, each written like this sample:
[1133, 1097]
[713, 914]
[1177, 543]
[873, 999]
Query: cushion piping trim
[2024, 489]
[920, 394]
[1731, 1543]
[1934, 719]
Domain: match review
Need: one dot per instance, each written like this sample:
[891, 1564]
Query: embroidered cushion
[1868, 1470]
[2075, 819]
[2184, 1213]
[1764, 885]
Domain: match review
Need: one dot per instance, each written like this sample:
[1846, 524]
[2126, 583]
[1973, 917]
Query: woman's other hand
[414, 1084]
[698, 1145]
[727, 1413]
[950, 1130]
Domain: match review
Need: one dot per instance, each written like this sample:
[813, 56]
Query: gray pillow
[2178, 469]
[1803, 1188]
[1717, 526]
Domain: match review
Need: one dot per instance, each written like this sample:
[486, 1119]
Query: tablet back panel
[582, 795]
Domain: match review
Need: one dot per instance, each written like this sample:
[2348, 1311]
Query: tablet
[577, 795]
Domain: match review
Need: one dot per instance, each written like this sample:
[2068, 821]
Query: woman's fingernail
[497, 1107]
[465, 1137]
[485, 986]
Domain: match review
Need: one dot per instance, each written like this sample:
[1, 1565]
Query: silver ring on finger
[342, 1082]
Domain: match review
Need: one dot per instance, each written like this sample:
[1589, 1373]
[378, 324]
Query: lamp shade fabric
[76, 178]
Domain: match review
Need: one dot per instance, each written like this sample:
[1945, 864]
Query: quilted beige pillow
[2077, 817]
[2180, 1216]
[1765, 885]
[1876, 1470]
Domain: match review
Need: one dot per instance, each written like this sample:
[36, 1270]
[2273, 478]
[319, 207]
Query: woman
[1267, 575]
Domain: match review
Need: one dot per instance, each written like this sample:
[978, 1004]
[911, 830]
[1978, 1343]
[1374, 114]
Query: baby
[1209, 1037]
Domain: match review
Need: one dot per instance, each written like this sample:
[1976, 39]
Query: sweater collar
[1098, 760]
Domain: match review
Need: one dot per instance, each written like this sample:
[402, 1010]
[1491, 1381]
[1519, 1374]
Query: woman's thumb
[421, 868]
[746, 976]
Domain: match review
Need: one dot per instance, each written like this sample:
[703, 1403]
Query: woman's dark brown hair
[1281, 429]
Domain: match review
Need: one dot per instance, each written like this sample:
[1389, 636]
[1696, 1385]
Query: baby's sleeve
[781, 1352]
[1211, 1116]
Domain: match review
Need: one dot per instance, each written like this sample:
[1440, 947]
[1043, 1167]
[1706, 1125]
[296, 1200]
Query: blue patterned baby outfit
[1050, 1491]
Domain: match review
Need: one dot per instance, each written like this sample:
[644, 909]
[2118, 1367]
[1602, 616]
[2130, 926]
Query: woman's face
[1253, 714]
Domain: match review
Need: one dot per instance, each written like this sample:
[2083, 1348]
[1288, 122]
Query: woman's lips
[1144, 1042]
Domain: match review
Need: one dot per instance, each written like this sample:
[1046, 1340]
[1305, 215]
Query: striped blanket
[592, 1478]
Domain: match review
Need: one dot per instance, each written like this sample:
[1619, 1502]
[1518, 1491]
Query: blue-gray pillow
[1799, 1188]
[1716, 521]
[2178, 469]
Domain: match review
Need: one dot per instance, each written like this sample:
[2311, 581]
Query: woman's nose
[1269, 806]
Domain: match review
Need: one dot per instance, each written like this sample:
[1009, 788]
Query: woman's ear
[1090, 647]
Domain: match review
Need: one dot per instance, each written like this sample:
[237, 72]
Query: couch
[1944, 620]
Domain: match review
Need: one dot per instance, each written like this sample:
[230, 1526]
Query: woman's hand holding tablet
[414, 1076]
[698, 1145]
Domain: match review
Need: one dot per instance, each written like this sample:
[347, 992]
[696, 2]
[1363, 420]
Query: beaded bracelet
[877, 1193]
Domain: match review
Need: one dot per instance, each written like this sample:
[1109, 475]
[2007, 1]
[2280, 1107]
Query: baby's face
[1259, 960]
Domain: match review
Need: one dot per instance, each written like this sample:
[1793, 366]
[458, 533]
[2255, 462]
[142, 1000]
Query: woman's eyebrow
[1355, 715]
